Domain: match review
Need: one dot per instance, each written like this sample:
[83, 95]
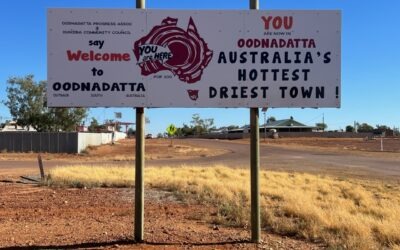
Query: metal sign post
[254, 175]
[255, 165]
[139, 164]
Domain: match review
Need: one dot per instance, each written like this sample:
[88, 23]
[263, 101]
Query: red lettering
[266, 21]
[93, 56]
[277, 22]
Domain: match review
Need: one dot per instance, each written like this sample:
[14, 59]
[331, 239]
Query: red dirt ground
[42, 217]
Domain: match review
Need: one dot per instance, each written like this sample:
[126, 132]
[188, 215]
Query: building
[285, 125]
[12, 126]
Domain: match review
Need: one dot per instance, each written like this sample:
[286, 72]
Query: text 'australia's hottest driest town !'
[180, 124]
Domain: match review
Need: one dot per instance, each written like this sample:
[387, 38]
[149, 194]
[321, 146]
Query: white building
[13, 127]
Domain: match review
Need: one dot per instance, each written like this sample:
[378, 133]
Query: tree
[365, 127]
[271, 119]
[27, 105]
[94, 125]
[396, 131]
[200, 125]
[186, 130]
[321, 126]
[131, 132]
[349, 128]
[230, 127]
[382, 127]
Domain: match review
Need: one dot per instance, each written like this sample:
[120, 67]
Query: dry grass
[350, 214]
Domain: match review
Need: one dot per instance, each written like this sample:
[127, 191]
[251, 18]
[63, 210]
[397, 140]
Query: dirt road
[273, 157]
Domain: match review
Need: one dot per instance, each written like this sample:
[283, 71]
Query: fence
[53, 142]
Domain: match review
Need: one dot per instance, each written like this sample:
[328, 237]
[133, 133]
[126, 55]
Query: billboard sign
[168, 58]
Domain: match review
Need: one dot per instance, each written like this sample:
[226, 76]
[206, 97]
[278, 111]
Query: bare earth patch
[41, 217]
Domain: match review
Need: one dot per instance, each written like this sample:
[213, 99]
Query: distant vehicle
[149, 136]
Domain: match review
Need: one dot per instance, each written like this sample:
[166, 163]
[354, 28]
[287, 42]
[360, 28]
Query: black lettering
[297, 54]
[293, 92]
[320, 92]
[56, 86]
[132, 84]
[85, 86]
[212, 92]
[264, 74]
[285, 74]
[275, 71]
[264, 57]
[243, 92]
[327, 58]
[234, 94]
[283, 89]
[221, 58]
[106, 86]
[115, 87]
[232, 57]
[253, 75]
[254, 93]
[66, 86]
[308, 58]
[223, 92]
[264, 89]
[276, 58]
[96, 87]
[243, 58]
[306, 92]
[295, 75]
[306, 71]
[141, 87]
[75, 86]
[241, 75]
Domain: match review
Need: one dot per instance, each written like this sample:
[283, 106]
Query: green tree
[271, 119]
[382, 127]
[200, 125]
[94, 125]
[349, 128]
[230, 127]
[186, 130]
[131, 132]
[365, 127]
[27, 105]
[396, 131]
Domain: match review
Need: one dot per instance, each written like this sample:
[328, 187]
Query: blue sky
[370, 59]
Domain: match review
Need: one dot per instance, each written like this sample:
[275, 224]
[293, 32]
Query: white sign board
[160, 58]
